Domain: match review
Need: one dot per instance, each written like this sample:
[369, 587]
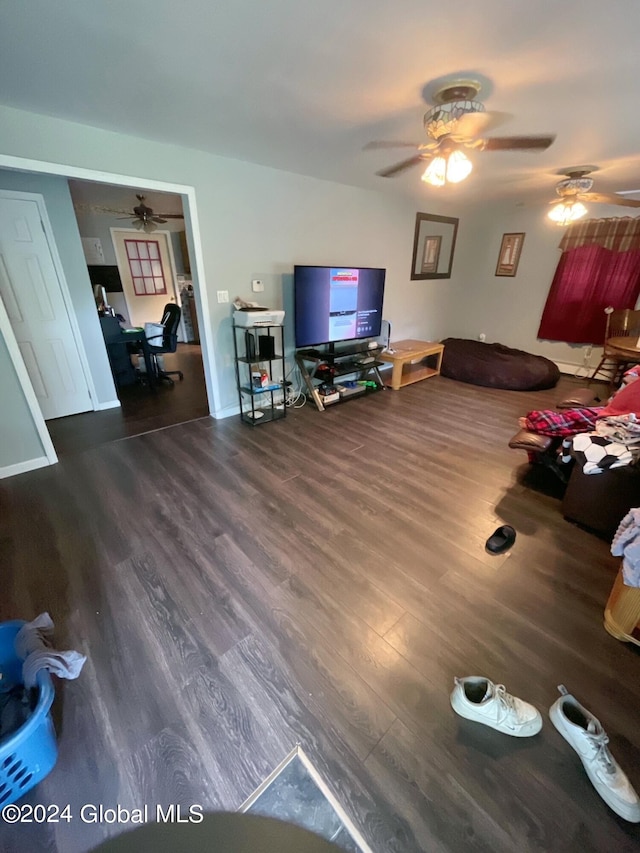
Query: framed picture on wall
[509, 256]
[434, 241]
[431, 254]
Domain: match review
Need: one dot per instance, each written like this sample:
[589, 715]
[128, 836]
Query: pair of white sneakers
[482, 701]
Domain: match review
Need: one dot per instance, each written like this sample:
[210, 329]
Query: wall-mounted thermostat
[257, 285]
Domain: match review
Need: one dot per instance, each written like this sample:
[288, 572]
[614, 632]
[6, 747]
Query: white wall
[256, 222]
[20, 441]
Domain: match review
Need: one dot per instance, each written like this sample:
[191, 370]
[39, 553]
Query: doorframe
[194, 242]
[172, 263]
[62, 281]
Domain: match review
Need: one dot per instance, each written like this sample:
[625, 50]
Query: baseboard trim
[225, 413]
[573, 369]
[23, 467]
[111, 404]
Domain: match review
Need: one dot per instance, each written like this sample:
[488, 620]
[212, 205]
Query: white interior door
[147, 271]
[32, 296]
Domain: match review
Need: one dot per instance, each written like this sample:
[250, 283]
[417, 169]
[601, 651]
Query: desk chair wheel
[165, 376]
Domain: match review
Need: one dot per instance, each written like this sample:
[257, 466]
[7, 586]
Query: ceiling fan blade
[373, 146]
[171, 215]
[517, 143]
[609, 198]
[391, 171]
[158, 219]
[477, 124]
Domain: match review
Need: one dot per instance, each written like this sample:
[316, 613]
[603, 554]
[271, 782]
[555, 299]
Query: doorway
[147, 271]
[109, 424]
[149, 264]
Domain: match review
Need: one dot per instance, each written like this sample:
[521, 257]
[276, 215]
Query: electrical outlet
[223, 296]
[482, 337]
[257, 285]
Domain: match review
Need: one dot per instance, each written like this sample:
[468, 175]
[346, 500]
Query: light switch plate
[223, 296]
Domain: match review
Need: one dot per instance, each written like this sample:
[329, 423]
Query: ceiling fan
[576, 188]
[457, 121]
[142, 216]
[145, 219]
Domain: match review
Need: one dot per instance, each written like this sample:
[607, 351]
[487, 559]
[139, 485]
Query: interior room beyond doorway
[119, 227]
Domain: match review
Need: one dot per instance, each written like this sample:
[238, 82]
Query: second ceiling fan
[457, 121]
[573, 189]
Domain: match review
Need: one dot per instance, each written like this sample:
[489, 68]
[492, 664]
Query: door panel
[30, 290]
[146, 260]
[31, 363]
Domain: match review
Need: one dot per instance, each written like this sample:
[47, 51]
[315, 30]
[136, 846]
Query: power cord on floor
[295, 396]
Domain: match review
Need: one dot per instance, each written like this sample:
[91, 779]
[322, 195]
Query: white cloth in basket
[32, 644]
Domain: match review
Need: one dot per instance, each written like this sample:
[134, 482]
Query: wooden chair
[621, 323]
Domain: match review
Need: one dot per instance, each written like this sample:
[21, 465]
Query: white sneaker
[481, 700]
[585, 734]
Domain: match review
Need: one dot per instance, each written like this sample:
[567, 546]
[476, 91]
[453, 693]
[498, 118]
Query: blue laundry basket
[29, 754]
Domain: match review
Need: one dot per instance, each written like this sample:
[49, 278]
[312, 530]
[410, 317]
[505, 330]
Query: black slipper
[501, 540]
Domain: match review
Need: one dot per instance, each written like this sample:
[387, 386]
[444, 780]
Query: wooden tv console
[407, 359]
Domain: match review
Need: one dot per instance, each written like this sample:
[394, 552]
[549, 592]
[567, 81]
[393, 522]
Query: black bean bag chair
[497, 366]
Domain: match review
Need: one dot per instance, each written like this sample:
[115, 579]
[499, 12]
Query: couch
[598, 502]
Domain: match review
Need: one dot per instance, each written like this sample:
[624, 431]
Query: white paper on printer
[239, 304]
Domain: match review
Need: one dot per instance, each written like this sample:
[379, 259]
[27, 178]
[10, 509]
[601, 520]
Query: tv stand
[323, 366]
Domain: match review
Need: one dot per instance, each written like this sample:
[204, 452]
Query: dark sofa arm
[531, 442]
[579, 399]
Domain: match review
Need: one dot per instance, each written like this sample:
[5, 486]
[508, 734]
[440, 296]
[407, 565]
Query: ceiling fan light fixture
[436, 172]
[566, 212]
[149, 227]
[458, 167]
[452, 169]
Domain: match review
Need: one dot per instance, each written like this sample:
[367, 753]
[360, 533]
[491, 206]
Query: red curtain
[592, 274]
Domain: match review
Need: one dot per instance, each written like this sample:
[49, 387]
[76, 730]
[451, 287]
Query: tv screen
[337, 304]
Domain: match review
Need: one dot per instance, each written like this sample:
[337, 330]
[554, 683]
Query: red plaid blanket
[567, 422]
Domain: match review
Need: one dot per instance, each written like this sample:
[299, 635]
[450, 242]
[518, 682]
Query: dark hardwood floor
[321, 580]
[140, 409]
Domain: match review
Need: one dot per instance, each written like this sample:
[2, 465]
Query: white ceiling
[304, 85]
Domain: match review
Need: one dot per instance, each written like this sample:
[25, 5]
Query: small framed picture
[431, 254]
[509, 256]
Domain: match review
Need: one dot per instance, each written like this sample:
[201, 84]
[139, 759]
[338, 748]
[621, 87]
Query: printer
[258, 317]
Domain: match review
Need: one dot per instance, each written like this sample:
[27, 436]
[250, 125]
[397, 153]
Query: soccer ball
[598, 453]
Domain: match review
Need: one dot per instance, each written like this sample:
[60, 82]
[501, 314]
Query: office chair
[168, 342]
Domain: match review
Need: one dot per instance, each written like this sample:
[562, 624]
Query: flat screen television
[337, 304]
